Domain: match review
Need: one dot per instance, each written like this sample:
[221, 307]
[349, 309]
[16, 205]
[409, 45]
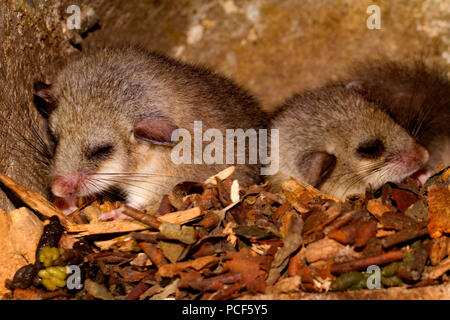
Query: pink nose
[66, 186]
[415, 158]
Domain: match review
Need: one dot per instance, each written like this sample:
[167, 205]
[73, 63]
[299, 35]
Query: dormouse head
[349, 144]
[95, 136]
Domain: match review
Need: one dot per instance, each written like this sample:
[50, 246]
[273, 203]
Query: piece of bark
[382, 233]
[122, 243]
[403, 198]
[33, 293]
[181, 217]
[146, 236]
[99, 291]
[296, 263]
[116, 226]
[35, 200]
[365, 232]
[228, 292]
[209, 221]
[439, 249]
[281, 210]
[438, 206]
[141, 260]
[397, 221]
[140, 216]
[440, 269]
[170, 270]
[418, 211]
[420, 259]
[402, 236]
[328, 249]
[341, 221]
[154, 254]
[222, 175]
[290, 284]
[197, 282]
[362, 263]
[20, 233]
[141, 287]
[185, 234]
[165, 206]
[377, 208]
[110, 257]
[318, 219]
[301, 195]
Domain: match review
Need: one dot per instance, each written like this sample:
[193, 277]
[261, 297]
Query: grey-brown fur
[335, 121]
[416, 95]
[116, 88]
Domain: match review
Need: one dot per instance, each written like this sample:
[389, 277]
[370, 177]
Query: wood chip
[20, 231]
[301, 195]
[375, 207]
[329, 249]
[439, 249]
[438, 206]
[440, 269]
[222, 175]
[106, 227]
[35, 200]
[181, 217]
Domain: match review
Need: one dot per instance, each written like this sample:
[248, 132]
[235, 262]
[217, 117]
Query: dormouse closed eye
[371, 149]
[99, 152]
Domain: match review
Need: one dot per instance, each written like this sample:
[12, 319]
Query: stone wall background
[273, 47]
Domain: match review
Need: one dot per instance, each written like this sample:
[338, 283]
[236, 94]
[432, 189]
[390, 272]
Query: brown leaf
[250, 268]
[170, 270]
[438, 205]
[377, 208]
[403, 198]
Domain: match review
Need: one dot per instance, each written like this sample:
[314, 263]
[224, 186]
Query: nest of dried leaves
[221, 240]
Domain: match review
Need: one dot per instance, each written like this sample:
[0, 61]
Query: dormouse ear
[316, 166]
[157, 131]
[44, 99]
[357, 86]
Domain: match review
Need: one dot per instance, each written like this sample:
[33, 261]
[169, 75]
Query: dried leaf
[170, 270]
[377, 208]
[99, 291]
[438, 206]
[292, 242]
[20, 232]
[171, 231]
[172, 250]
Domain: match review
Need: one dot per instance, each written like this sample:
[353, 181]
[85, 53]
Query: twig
[359, 264]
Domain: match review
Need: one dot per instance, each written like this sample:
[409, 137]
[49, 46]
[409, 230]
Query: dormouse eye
[99, 152]
[371, 149]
